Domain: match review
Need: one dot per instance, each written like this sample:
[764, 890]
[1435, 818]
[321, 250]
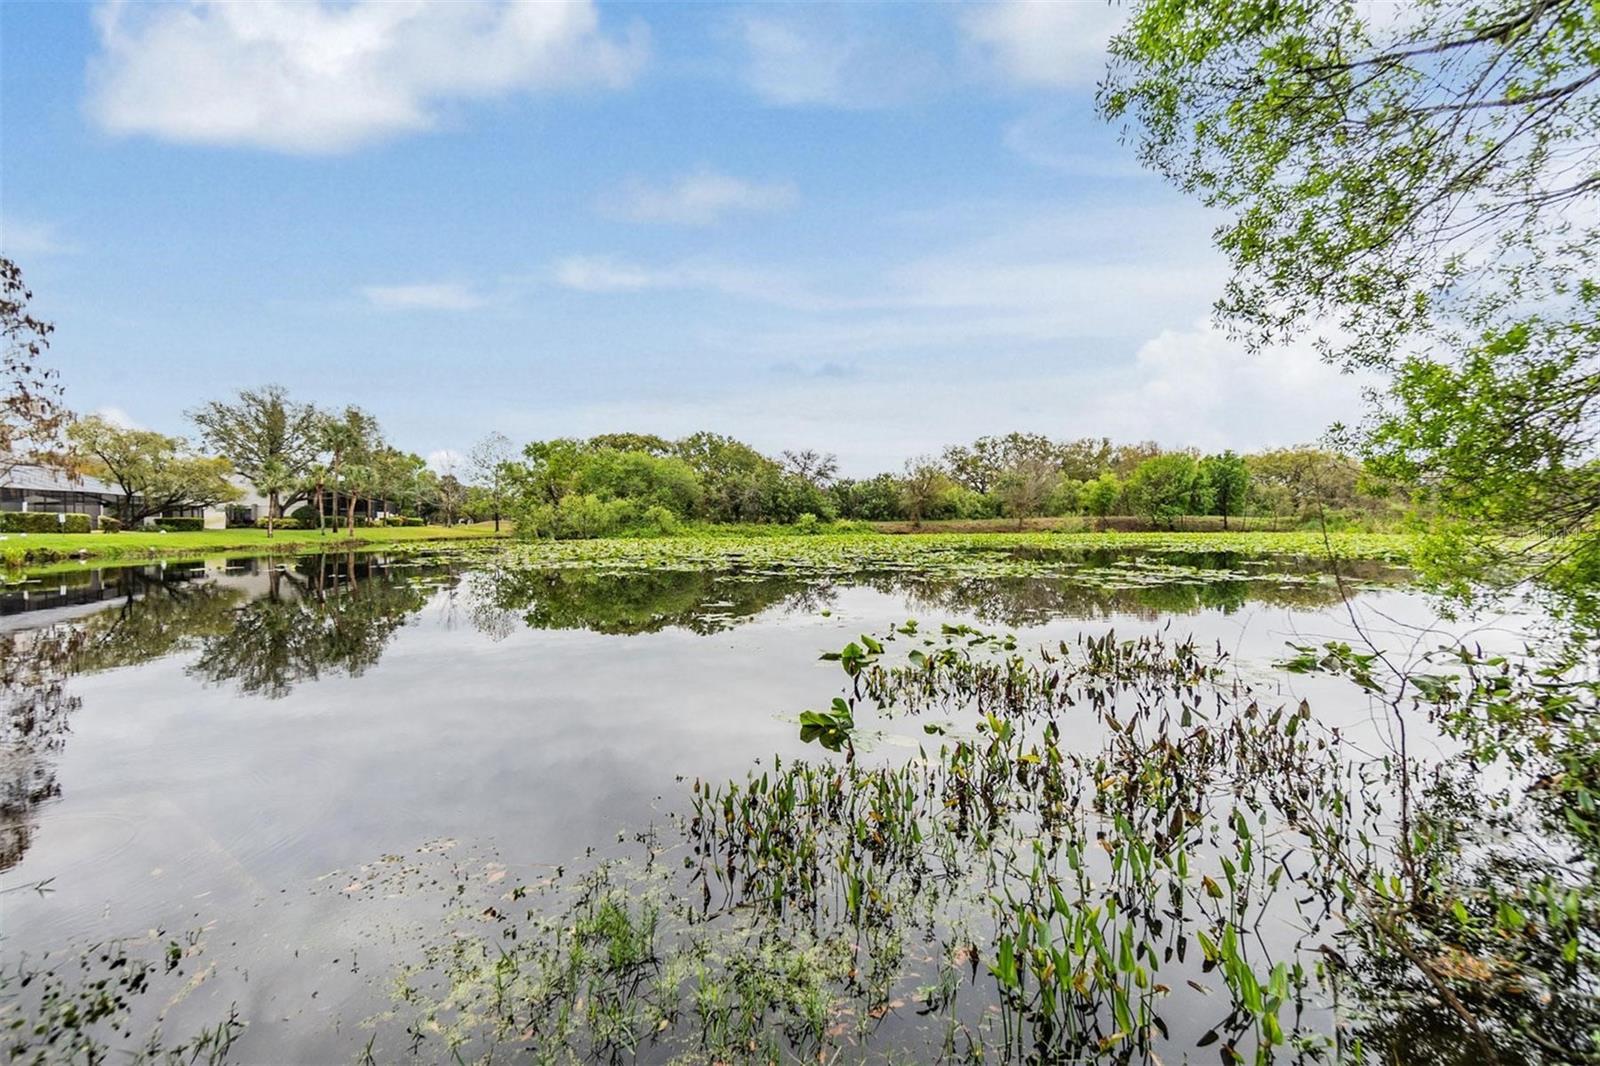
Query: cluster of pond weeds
[1107, 851]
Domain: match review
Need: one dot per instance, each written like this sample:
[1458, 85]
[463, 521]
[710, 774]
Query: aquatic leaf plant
[1108, 850]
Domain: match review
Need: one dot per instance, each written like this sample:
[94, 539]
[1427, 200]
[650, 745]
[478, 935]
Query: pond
[327, 798]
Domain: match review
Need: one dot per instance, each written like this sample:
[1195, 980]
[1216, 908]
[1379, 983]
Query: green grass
[25, 549]
[708, 548]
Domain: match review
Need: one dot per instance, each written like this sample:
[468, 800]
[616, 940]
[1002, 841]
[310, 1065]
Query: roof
[32, 478]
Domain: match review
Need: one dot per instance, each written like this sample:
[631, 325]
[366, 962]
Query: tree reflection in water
[264, 628]
[325, 617]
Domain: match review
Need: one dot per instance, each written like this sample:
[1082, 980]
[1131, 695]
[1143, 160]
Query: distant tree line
[638, 483]
[307, 460]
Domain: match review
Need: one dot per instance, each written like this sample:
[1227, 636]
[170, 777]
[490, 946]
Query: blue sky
[872, 230]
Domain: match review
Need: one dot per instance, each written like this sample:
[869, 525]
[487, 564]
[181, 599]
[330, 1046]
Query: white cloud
[446, 461]
[599, 273]
[1047, 139]
[117, 417]
[1054, 43]
[699, 198]
[318, 76]
[1199, 387]
[828, 61]
[19, 238]
[436, 296]
[607, 274]
[1184, 388]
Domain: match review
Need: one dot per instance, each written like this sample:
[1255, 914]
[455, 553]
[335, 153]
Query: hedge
[43, 522]
[109, 524]
[281, 523]
[180, 525]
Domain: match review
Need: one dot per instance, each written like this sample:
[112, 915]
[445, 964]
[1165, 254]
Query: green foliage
[1166, 487]
[1227, 479]
[1065, 498]
[43, 522]
[109, 524]
[179, 524]
[264, 435]
[1422, 192]
[154, 472]
[1101, 496]
[874, 499]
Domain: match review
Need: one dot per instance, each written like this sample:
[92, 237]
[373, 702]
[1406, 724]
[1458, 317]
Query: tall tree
[272, 479]
[981, 466]
[262, 426]
[31, 415]
[1162, 488]
[1100, 496]
[156, 473]
[349, 440]
[1227, 481]
[1421, 192]
[489, 461]
[1024, 486]
[924, 481]
[452, 497]
[810, 465]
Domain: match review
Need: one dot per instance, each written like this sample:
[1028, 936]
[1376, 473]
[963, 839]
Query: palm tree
[273, 479]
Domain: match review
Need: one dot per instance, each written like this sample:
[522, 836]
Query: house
[245, 511]
[27, 487]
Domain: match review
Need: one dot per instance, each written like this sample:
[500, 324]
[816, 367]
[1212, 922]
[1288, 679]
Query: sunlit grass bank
[32, 548]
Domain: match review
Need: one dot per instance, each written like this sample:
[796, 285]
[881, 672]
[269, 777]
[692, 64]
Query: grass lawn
[19, 549]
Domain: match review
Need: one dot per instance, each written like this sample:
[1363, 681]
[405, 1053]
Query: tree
[875, 499]
[738, 483]
[31, 415]
[924, 481]
[1304, 480]
[452, 495]
[350, 440]
[1162, 488]
[1422, 193]
[812, 466]
[317, 477]
[259, 427]
[1100, 496]
[1024, 486]
[1228, 481]
[156, 473]
[273, 478]
[981, 466]
[346, 439]
[488, 461]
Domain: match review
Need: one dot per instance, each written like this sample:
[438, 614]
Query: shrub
[281, 523]
[180, 524]
[414, 521]
[109, 524]
[43, 522]
[807, 523]
[659, 520]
